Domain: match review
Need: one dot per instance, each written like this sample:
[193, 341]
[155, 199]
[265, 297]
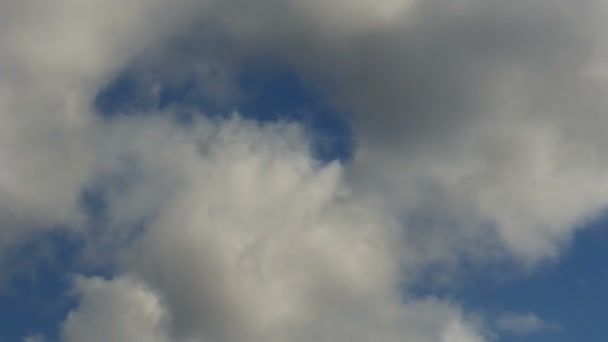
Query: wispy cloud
[525, 324]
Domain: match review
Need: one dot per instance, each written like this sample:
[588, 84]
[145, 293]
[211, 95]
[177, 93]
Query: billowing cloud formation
[250, 239]
[127, 310]
[472, 101]
[480, 112]
[264, 242]
[54, 58]
[120, 310]
[478, 128]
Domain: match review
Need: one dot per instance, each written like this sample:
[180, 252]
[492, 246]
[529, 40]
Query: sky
[303, 170]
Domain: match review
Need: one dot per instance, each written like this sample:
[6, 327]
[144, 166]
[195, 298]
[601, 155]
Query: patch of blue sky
[267, 92]
[37, 296]
[569, 293]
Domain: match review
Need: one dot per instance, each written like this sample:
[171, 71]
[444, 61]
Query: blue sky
[349, 171]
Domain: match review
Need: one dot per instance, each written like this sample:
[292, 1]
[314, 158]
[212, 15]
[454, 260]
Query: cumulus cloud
[54, 59]
[249, 238]
[463, 112]
[486, 108]
[125, 309]
[478, 128]
[119, 310]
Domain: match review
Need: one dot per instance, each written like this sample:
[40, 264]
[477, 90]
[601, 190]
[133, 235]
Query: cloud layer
[478, 128]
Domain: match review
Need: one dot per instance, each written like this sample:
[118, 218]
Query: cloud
[463, 113]
[478, 128]
[118, 310]
[471, 106]
[248, 238]
[55, 56]
[525, 324]
[127, 310]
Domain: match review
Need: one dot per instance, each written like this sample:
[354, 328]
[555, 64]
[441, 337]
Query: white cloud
[249, 238]
[479, 131]
[119, 310]
[524, 324]
[54, 58]
[463, 112]
[125, 309]
[479, 116]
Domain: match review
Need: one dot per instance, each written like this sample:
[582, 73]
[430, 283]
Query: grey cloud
[248, 238]
[490, 104]
[496, 106]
